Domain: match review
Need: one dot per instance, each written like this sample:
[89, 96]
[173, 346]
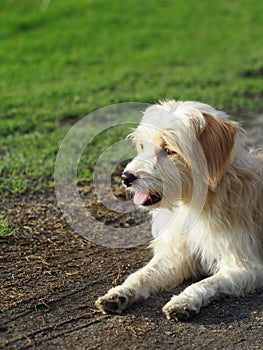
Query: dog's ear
[217, 140]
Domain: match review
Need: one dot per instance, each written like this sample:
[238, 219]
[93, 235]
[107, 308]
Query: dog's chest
[198, 242]
[204, 247]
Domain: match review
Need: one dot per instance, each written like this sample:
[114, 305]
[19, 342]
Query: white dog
[205, 193]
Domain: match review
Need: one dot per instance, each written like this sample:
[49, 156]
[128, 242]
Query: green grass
[5, 229]
[61, 63]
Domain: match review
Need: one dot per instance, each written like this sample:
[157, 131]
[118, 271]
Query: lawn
[61, 60]
[5, 228]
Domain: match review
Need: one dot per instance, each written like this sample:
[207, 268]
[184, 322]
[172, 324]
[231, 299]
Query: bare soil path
[51, 277]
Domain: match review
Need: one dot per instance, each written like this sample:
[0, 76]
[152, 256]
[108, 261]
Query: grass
[5, 229]
[60, 60]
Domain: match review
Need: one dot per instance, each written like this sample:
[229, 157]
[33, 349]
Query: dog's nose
[128, 178]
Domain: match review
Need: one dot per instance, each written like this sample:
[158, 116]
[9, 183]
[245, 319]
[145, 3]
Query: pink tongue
[140, 197]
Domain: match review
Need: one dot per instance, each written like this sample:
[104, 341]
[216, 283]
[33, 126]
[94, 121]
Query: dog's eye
[168, 151]
[141, 146]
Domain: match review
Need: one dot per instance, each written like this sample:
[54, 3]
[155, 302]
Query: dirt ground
[51, 277]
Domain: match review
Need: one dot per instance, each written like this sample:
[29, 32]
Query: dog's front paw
[179, 310]
[115, 301]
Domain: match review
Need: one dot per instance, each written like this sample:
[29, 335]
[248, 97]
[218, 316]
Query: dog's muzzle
[144, 198]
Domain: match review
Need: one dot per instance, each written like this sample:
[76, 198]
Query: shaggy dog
[204, 190]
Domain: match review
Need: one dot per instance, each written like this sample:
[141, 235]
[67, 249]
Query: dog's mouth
[146, 198]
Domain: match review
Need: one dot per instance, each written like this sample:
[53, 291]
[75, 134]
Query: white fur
[225, 237]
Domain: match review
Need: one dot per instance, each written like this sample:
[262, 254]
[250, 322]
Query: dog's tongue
[140, 197]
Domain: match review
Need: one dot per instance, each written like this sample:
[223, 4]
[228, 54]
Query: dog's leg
[234, 281]
[160, 273]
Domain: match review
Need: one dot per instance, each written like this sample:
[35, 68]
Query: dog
[204, 190]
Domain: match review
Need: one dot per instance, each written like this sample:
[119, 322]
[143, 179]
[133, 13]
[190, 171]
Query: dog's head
[180, 145]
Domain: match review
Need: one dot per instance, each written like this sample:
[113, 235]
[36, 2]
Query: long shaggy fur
[209, 221]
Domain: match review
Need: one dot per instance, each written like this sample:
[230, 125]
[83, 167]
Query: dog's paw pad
[179, 313]
[122, 300]
[111, 306]
[112, 303]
